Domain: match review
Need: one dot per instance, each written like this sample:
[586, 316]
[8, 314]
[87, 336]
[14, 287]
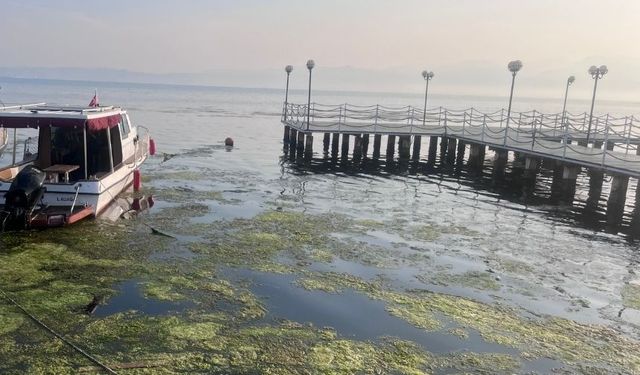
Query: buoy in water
[152, 147]
[228, 142]
[136, 180]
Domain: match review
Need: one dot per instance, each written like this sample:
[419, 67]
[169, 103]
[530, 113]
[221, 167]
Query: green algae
[168, 286]
[418, 314]
[485, 363]
[555, 338]
[236, 339]
[343, 357]
[631, 296]
[321, 255]
[513, 266]
[432, 232]
[200, 342]
[186, 195]
[183, 175]
[9, 320]
[459, 333]
[470, 279]
[427, 233]
[333, 282]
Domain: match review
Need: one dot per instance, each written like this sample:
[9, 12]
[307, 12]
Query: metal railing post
[445, 123]
[626, 119]
[344, 115]
[533, 122]
[484, 126]
[375, 123]
[606, 141]
[533, 137]
[464, 122]
[506, 133]
[566, 144]
[411, 115]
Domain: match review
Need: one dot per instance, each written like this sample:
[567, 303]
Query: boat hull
[96, 194]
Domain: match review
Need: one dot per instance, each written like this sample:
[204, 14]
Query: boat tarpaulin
[93, 124]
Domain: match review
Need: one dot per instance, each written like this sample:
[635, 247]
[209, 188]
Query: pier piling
[377, 140]
[567, 185]
[345, 146]
[451, 150]
[433, 150]
[529, 170]
[308, 147]
[462, 148]
[357, 148]
[391, 147]
[285, 138]
[417, 143]
[404, 147]
[444, 144]
[499, 163]
[617, 200]
[635, 216]
[365, 145]
[335, 144]
[293, 139]
[596, 179]
[300, 144]
[325, 142]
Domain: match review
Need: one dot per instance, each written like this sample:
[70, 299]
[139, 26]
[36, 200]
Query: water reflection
[580, 203]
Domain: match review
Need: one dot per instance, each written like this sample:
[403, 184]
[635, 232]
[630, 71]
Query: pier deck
[603, 145]
[612, 146]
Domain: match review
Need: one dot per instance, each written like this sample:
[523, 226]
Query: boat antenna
[1, 102]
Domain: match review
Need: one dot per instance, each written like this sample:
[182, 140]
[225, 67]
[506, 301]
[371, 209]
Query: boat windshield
[66, 147]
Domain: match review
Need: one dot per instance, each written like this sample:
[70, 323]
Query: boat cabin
[73, 143]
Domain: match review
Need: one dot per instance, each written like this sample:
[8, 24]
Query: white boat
[85, 157]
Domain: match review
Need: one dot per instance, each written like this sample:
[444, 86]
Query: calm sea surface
[572, 265]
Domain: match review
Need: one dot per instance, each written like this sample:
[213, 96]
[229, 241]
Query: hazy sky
[385, 43]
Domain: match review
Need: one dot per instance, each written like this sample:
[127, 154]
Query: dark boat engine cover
[24, 193]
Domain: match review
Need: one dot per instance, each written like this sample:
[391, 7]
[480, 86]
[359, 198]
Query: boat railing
[142, 146]
[20, 106]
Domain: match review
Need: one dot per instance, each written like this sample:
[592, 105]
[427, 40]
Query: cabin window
[124, 126]
[116, 146]
[67, 147]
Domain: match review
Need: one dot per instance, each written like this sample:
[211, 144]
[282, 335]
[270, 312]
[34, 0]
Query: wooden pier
[561, 141]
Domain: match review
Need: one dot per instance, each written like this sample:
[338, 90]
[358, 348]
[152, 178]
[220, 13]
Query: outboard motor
[25, 192]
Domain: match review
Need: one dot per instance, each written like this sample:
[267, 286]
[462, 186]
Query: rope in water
[56, 334]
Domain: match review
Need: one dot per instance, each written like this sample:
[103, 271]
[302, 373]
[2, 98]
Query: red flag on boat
[94, 101]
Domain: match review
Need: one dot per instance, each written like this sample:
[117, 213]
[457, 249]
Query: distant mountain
[465, 78]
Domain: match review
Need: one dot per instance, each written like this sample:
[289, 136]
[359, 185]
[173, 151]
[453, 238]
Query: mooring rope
[56, 334]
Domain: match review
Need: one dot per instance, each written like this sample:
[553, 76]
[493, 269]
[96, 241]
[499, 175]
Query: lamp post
[570, 80]
[287, 69]
[310, 65]
[596, 74]
[514, 67]
[427, 77]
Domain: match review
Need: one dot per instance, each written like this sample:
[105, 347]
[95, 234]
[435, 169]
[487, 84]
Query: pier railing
[556, 133]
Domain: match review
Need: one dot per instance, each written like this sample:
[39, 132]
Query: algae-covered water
[259, 265]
